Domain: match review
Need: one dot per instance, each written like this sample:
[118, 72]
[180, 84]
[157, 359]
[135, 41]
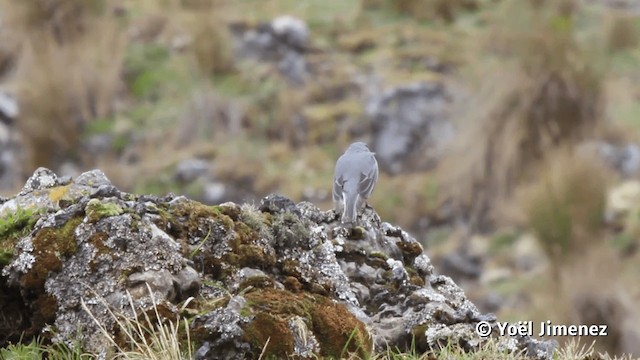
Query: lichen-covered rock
[281, 280]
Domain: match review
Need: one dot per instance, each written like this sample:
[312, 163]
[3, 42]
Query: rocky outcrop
[411, 125]
[284, 41]
[282, 278]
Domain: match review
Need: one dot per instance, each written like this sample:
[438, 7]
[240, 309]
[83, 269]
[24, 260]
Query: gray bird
[356, 175]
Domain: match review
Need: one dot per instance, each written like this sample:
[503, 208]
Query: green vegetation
[96, 210]
[13, 226]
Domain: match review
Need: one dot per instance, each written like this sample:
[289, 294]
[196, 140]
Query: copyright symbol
[483, 328]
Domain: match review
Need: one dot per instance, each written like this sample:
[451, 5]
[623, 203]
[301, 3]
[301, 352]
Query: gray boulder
[283, 41]
[411, 125]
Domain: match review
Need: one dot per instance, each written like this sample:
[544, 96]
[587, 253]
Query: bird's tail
[349, 214]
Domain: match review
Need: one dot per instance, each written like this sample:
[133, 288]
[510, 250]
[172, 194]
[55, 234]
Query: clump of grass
[146, 338]
[434, 9]
[623, 32]
[32, 350]
[565, 207]
[446, 10]
[565, 210]
[67, 73]
[63, 19]
[36, 349]
[211, 44]
[547, 93]
[146, 69]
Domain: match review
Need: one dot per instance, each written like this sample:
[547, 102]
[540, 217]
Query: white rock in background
[294, 30]
[622, 199]
[8, 106]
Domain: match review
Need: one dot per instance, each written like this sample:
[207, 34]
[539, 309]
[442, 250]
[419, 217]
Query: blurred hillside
[507, 131]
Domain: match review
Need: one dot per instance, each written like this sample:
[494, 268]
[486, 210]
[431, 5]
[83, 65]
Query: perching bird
[356, 175]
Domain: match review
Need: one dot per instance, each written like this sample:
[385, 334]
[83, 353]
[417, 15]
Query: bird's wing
[337, 189]
[368, 181]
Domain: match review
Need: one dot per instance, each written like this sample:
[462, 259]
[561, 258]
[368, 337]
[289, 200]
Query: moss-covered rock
[282, 280]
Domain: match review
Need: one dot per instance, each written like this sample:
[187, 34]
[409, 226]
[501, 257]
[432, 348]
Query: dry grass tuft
[446, 10]
[64, 20]
[546, 93]
[590, 290]
[623, 32]
[565, 210]
[565, 207]
[147, 335]
[67, 73]
[211, 43]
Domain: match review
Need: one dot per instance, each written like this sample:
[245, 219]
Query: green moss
[357, 233]
[191, 219]
[97, 210]
[11, 222]
[233, 212]
[246, 249]
[378, 255]
[13, 226]
[414, 277]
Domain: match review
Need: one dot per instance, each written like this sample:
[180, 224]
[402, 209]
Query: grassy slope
[163, 86]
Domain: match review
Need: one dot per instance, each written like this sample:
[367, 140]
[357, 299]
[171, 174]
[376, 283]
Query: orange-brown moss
[410, 250]
[271, 327]
[292, 284]
[291, 267]
[336, 329]
[97, 240]
[257, 282]
[278, 301]
[45, 308]
[233, 212]
[245, 251]
[50, 246]
[414, 278]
